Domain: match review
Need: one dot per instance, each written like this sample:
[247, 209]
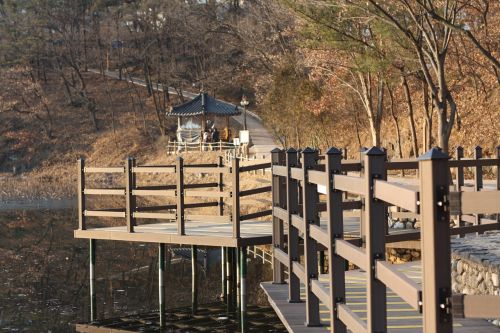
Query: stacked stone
[475, 265]
[400, 256]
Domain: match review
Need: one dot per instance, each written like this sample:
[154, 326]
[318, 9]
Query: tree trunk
[411, 118]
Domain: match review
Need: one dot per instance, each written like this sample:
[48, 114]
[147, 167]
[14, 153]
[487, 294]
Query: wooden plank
[474, 228]
[298, 222]
[104, 170]
[281, 256]
[406, 288]
[201, 185]
[317, 177]
[216, 169]
[351, 184]
[104, 191]
[158, 193]
[151, 215]
[350, 205]
[351, 253]
[319, 235]
[280, 213]
[351, 165]
[476, 306]
[256, 215]
[299, 271]
[402, 164]
[279, 170]
[470, 162]
[254, 162]
[154, 169]
[206, 194]
[257, 190]
[396, 194]
[255, 167]
[104, 213]
[482, 202]
[321, 292]
[352, 320]
[201, 204]
[297, 174]
[208, 218]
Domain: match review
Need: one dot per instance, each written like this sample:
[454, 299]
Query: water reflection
[44, 275]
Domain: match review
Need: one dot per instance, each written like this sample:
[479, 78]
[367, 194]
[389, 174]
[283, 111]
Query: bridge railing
[225, 191]
[296, 207]
[174, 147]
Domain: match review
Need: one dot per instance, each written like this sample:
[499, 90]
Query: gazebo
[192, 117]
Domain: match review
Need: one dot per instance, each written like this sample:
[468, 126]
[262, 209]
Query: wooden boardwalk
[401, 317]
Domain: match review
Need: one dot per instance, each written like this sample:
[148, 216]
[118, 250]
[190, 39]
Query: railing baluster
[179, 175]
[459, 181]
[375, 220]
[235, 172]
[220, 163]
[498, 174]
[129, 197]
[336, 264]
[278, 231]
[478, 177]
[310, 214]
[81, 195]
[292, 205]
[435, 239]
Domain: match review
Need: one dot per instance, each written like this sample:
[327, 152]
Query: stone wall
[475, 265]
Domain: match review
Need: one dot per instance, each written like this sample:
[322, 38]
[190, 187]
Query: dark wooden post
[129, 197]
[81, 194]
[292, 204]
[375, 167]
[235, 173]
[336, 263]
[435, 238]
[277, 158]
[243, 289]
[459, 179]
[161, 283]
[93, 300]
[223, 258]
[310, 216]
[179, 173]
[194, 279]
[362, 222]
[478, 177]
[229, 279]
[220, 163]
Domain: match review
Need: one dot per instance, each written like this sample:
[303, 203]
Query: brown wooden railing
[178, 191]
[296, 207]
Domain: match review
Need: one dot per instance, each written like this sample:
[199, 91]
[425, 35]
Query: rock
[399, 225]
[495, 280]
[460, 267]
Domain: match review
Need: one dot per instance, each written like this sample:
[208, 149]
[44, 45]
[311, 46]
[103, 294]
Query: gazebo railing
[174, 147]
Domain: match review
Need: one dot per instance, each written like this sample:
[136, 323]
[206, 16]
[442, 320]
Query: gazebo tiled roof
[204, 104]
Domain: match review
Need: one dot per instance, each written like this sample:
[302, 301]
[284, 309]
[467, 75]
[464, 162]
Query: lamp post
[244, 102]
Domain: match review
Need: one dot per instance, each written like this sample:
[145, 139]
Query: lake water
[44, 275]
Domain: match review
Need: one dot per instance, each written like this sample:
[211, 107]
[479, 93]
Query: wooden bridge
[306, 300]
[320, 205]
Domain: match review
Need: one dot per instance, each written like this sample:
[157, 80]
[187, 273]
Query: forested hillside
[398, 74]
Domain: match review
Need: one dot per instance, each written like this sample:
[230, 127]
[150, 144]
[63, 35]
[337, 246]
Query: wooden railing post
[129, 197]
[310, 215]
[292, 205]
[277, 158]
[336, 264]
[478, 177]
[81, 195]
[179, 175]
[220, 163]
[362, 222]
[459, 179]
[375, 167]
[235, 173]
[435, 238]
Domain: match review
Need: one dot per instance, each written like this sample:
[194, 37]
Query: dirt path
[263, 141]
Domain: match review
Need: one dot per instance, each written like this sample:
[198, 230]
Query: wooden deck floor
[400, 316]
[203, 233]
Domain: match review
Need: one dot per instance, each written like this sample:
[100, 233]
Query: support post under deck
[161, 283]
[229, 279]
[223, 256]
[194, 278]
[238, 280]
[243, 289]
[93, 301]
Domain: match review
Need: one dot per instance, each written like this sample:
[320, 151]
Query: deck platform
[203, 233]
[401, 317]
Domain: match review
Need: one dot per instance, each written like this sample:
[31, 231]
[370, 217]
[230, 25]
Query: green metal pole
[243, 290]
[161, 283]
[223, 256]
[194, 278]
[93, 302]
